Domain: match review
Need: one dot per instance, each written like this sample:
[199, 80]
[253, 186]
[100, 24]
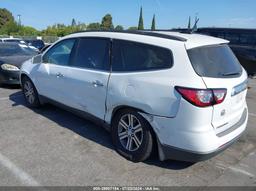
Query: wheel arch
[22, 76]
[25, 75]
[140, 111]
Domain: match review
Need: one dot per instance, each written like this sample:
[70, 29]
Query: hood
[14, 60]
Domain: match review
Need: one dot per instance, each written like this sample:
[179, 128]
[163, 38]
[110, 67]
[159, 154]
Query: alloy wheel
[130, 132]
[29, 92]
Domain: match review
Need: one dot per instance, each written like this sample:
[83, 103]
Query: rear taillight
[202, 97]
[219, 95]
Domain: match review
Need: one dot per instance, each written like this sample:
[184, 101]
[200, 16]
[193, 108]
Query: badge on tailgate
[239, 88]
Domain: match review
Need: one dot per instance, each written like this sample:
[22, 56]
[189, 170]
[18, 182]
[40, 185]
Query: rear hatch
[220, 69]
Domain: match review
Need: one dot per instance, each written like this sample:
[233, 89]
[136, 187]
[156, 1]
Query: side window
[60, 53]
[92, 53]
[131, 56]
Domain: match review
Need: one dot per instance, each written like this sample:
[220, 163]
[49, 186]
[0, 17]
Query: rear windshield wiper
[231, 74]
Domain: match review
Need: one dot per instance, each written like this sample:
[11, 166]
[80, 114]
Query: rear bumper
[9, 77]
[190, 156]
[190, 136]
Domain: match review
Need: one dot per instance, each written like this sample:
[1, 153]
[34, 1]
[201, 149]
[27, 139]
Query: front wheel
[30, 93]
[131, 135]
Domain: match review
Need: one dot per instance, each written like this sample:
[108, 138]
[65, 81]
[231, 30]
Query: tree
[73, 23]
[132, 28]
[153, 25]
[189, 23]
[141, 25]
[81, 26]
[27, 31]
[10, 28]
[62, 30]
[5, 17]
[93, 26]
[58, 30]
[119, 28]
[106, 23]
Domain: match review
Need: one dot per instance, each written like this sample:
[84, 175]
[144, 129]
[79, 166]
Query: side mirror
[37, 59]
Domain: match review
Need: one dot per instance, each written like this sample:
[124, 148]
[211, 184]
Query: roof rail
[142, 32]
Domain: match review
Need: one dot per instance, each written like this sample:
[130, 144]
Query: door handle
[97, 83]
[59, 75]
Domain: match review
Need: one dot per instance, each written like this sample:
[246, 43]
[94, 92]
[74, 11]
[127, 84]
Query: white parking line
[25, 178]
[4, 98]
[241, 171]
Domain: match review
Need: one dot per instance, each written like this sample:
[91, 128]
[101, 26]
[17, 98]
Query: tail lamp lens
[202, 97]
[219, 95]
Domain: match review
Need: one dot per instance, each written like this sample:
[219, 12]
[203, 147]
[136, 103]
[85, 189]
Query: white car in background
[20, 41]
[186, 93]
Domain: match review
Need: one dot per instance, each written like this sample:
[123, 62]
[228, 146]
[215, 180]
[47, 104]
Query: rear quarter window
[131, 56]
[216, 61]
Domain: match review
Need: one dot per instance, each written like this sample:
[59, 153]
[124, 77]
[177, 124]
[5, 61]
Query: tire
[135, 141]
[30, 93]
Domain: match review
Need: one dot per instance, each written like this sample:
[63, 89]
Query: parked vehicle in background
[20, 41]
[242, 42]
[45, 48]
[39, 44]
[185, 93]
[12, 55]
[17, 40]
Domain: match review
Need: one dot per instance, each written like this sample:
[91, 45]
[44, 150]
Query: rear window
[132, 56]
[215, 61]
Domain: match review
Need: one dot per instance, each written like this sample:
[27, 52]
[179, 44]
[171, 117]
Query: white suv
[185, 93]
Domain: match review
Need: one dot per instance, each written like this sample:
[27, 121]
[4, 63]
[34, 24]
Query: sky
[169, 13]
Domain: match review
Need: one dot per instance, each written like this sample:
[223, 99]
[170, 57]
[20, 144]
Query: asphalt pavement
[52, 147]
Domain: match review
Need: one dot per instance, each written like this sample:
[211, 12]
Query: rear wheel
[131, 135]
[30, 93]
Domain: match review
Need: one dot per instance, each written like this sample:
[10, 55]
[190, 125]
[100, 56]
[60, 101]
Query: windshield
[215, 61]
[15, 50]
